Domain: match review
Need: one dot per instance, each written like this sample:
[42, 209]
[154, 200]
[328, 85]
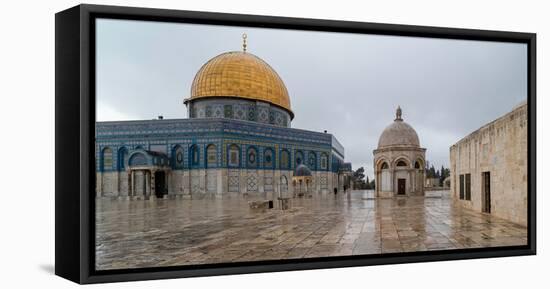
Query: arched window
[384, 166]
[139, 147]
[401, 163]
[194, 155]
[252, 157]
[211, 156]
[284, 162]
[122, 158]
[312, 161]
[324, 161]
[299, 158]
[233, 156]
[137, 159]
[417, 165]
[177, 157]
[107, 159]
[268, 158]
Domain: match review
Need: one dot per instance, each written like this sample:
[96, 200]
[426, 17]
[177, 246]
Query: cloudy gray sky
[348, 84]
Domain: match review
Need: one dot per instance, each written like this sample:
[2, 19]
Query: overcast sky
[348, 84]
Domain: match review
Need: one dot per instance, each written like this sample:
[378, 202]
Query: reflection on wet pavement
[169, 232]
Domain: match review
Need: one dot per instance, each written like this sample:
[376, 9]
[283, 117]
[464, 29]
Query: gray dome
[302, 171]
[399, 133]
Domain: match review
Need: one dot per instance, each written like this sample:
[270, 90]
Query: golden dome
[240, 75]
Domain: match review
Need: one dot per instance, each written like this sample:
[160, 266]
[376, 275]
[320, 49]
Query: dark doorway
[486, 181]
[401, 186]
[160, 184]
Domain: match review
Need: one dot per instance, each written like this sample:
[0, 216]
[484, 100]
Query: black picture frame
[75, 125]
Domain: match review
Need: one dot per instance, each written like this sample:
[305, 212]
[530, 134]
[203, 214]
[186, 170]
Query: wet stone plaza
[169, 232]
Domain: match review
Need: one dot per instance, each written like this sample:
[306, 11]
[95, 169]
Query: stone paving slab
[170, 232]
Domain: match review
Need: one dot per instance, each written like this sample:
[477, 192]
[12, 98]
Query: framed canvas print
[194, 144]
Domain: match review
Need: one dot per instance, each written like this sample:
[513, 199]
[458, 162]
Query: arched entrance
[402, 172]
[147, 174]
[160, 184]
[301, 186]
[302, 180]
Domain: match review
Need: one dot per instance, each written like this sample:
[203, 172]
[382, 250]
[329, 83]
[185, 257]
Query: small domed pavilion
[399, 161]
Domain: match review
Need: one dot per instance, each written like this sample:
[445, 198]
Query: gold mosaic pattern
[243, 75]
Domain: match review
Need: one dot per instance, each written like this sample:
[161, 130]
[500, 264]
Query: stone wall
[500, 148]
[433, 182]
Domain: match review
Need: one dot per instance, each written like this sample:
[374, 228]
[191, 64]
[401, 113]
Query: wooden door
[160, 184]
[401, 186]
[486, 192]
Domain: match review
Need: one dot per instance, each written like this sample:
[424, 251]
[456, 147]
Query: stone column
[168, 183]
[151, 185]
[290, 182]
[412, 182]
[377, 183]
[132, 183]
[393, 181]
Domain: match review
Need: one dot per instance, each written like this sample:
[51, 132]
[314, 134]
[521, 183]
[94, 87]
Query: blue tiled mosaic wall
[185, 135]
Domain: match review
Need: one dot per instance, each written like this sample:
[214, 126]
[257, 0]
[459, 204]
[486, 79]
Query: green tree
[359, 174]
[431, 172]
[445, 173]
[358, 178]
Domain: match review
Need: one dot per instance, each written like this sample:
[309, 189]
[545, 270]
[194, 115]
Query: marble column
[133, 183]
[152, 181]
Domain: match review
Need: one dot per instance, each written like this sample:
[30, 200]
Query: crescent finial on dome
[244, 42]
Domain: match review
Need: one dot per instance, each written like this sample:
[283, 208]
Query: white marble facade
[220, 182]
